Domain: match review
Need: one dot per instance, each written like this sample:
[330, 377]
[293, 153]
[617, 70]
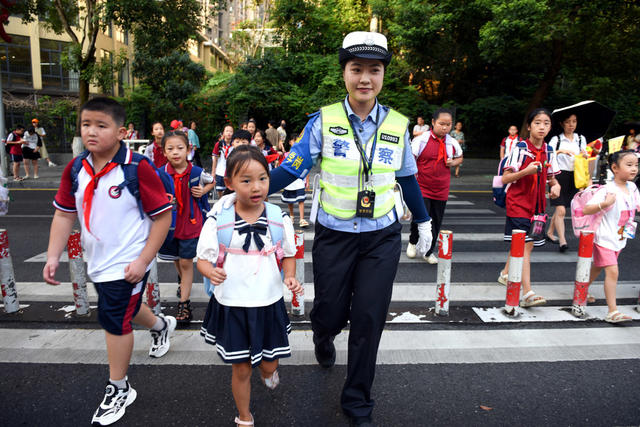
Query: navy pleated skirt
[247, 334]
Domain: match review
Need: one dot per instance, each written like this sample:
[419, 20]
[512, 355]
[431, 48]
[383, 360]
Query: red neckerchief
[177, 185]
[87, 200]
[442, 150]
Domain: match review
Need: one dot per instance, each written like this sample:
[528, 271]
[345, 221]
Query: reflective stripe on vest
[342, 172]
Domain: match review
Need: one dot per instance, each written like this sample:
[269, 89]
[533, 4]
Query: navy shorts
[16, 158]
[220, 186]
[519, 224]
[118, 303]
[177, 248]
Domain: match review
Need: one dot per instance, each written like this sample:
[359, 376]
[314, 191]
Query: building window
[16, 63]
[54, 76]
[123, 78]
[107, 56]
[126, 37]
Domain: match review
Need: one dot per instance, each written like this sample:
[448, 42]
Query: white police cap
[364, 44]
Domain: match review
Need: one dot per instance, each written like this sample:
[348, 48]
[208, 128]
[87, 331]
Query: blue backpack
[130, 171]
[226, 222]
[500, 189]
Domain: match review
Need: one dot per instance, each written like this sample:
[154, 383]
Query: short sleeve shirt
[577, 144]
[118, 233]
[610, 231]
[523, 194]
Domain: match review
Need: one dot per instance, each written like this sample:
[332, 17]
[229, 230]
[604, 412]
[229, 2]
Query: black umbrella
[594, 119]
[632, 125]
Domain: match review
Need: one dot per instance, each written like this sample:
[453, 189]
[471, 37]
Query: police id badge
[366, 203]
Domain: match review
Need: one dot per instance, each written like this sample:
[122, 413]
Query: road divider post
[297, 298]
[443, 282]
[7, 278]
[514, 275]
[78, 276]
[583, 270]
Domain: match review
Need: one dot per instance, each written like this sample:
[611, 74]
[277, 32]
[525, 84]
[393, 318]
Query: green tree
[319, 26]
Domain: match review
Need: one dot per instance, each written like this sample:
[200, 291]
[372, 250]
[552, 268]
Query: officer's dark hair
[272, 123]
[618, 156]
[175, 134]
[239, 157]
[439, 111]
[19, 127]
[108, 106]
[535, 113]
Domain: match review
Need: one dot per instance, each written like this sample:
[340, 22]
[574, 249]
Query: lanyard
[366, 163]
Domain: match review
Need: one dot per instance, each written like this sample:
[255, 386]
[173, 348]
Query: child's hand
[532, 169]
[49, 271]
[217, 276]
[609, 200]
[554, 191]
[197, 191]
[449, 162]
[134, 272]
[293, 285]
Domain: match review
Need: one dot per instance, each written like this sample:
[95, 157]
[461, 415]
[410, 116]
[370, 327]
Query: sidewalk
[475, 174]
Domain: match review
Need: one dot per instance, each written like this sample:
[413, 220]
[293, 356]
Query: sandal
[590, 298]
[530, 299]
[184, 311]
[617, 317]
[239, 422]
[303, 223]
[271, 382]
[503, 278]
[551, 239]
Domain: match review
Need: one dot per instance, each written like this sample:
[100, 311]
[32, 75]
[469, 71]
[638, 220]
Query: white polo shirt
[118, 232]
[575, 145]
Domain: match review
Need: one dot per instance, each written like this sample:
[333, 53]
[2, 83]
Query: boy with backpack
[124, 216]
[185, 181]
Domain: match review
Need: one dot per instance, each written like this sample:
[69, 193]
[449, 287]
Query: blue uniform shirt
[304, 154]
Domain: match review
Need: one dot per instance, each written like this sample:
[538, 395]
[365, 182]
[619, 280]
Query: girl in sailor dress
[246, 318]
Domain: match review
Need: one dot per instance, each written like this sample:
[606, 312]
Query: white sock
[159, 325]
[119, 383]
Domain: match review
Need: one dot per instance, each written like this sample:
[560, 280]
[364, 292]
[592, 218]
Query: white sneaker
[52, 165]
[411, 250]
[431, 259]
[113, 406]
[161, 339]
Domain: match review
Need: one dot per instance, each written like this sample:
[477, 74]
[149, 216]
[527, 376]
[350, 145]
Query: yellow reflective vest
[342, 171]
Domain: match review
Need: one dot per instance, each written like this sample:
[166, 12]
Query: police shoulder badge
[338, 130]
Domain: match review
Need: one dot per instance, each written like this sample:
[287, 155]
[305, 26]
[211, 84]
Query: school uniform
[246, 318]
[155, 153]
[113, 233]
[221, 151]
[508, 143]
[15, 150]
[434, 178]
[528, 192]
[189, 219]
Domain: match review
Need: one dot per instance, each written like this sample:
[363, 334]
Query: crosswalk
[477, 330]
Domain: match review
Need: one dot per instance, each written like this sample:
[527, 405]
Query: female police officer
[363, 148]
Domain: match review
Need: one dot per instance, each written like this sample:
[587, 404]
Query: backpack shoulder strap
[226, 221]
[131, 181]
[76, 167]
[274, 219]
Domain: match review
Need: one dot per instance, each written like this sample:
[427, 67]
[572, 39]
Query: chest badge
[338, 130]
[115, 192]
[389, 138]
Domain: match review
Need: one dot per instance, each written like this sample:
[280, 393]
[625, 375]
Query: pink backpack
[579, 220]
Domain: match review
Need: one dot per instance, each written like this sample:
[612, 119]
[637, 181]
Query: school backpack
[500, 189]
[226, 221]
[580, 221]
[130, 171]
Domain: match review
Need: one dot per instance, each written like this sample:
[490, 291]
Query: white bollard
[7, 278]
[583, 270]
[153, 289]
[297, 299]
[443, 284]
[78, 277]
[514, 275]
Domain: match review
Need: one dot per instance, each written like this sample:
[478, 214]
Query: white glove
[225, 202]
[424, 237]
